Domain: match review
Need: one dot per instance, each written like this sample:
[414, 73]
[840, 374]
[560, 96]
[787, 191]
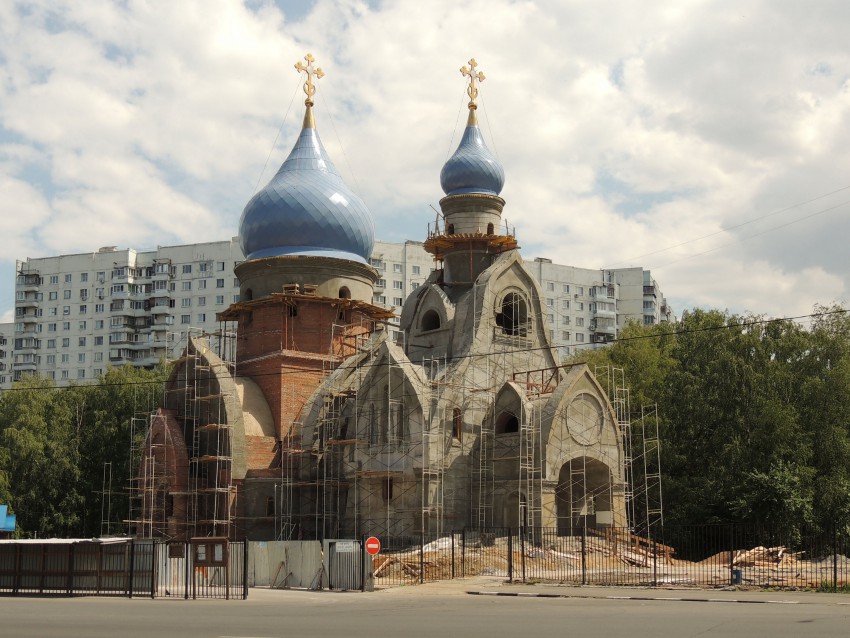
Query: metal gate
[346, 565]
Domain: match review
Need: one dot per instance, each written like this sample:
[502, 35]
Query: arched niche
[430, 321]
[583, 496]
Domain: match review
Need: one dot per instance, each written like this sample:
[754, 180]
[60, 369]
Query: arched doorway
[583, 496]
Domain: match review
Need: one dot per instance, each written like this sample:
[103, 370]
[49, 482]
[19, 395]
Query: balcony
[28, 281]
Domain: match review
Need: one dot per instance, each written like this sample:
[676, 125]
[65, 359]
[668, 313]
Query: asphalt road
[413, 612]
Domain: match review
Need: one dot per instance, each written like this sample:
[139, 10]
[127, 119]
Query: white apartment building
[77, 314]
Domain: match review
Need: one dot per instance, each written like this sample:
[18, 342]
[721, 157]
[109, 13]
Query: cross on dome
[472, 90]
[309, 87]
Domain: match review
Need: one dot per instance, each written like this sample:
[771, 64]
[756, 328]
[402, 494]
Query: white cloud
[625, 128]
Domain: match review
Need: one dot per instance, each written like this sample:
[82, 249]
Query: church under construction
[304, 418]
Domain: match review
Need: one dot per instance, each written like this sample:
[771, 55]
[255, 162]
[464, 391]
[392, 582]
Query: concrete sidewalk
[496, 586]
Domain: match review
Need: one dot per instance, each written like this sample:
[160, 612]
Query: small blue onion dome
[472, 168]
[306, 209]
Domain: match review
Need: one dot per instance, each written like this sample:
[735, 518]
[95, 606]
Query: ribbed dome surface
[306, 209]
[472, 168]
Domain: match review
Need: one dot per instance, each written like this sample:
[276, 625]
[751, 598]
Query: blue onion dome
[472, 168]
[306, 209]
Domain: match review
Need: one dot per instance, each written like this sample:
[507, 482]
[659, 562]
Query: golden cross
[472, 90]
[309, 87]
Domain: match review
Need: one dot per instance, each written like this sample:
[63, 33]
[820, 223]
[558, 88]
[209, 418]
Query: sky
[704, 141]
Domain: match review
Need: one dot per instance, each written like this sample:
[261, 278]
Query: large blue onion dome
[306, 209]
[472, 168]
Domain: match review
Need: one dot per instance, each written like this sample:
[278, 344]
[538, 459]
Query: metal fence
[698, 556]
[119, 568]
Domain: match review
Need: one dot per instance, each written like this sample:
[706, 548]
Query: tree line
[753, 415]
[54, 443]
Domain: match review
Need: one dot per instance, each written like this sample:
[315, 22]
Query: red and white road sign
[373, 545]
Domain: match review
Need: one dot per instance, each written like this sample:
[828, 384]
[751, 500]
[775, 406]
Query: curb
[640, 598]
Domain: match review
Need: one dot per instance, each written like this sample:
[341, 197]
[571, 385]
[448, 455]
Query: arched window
[490, 228]
[430, 320]
[344, 293]
[513, 317]
[506, 423]
[292, 310]
[450, 230]
[457, 424]
[249, 294]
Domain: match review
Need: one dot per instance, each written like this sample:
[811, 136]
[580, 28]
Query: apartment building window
[52, 312]
[581, 290]
[398, 268]
[398, 285]
[51, 359]
[84, 277]
[203, 267]
[185, 318]
[172, 287]
[83, 309]
[219, 283]
[98, 324]
[98, 307]
[220, 266]
[235, 282]
[579, 337]
[648, 320]
[202, 301]
[116, 321]
[185, 303]
[202, 284]
[66, 325]
[98, 356]
[98, 341]
[579, 305]
[66, 342]
[579, 322]
[64, 374]
[381, 299]
[202, 317]
[82, 342]
[84, 294]
[565, 321]
[66, 294]
[52, 295]
[68, 278]
[51, 343]
[98, 372]
[377, 263]
[51, 327]
[566, 289]
[81, 357]
[565, 304]
[187, 285]
[219, 299]
[381, 283]
[66, 358]
[565, 335]
[54, 279]
[550, 303]
[550, 286]
[101, 275]
[398, 301]
[414, 286]
[415, 270]
[551, 318]
[187, 269]
[116, 288]
[235, 298]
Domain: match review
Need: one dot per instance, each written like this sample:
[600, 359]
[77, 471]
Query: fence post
[522, 550]
[131, 568]
[70, 583]
[510, 554]
[583, 555]
[731, 553]
[654, 564]
[187, 569]
[463, 552]
[154, 559]
[363, 556]
[834, 557]
[422, 557]
[453, 554]
[17, 584]
[245, 568]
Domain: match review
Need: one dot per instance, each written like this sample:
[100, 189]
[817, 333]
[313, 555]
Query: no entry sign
[373, 545]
